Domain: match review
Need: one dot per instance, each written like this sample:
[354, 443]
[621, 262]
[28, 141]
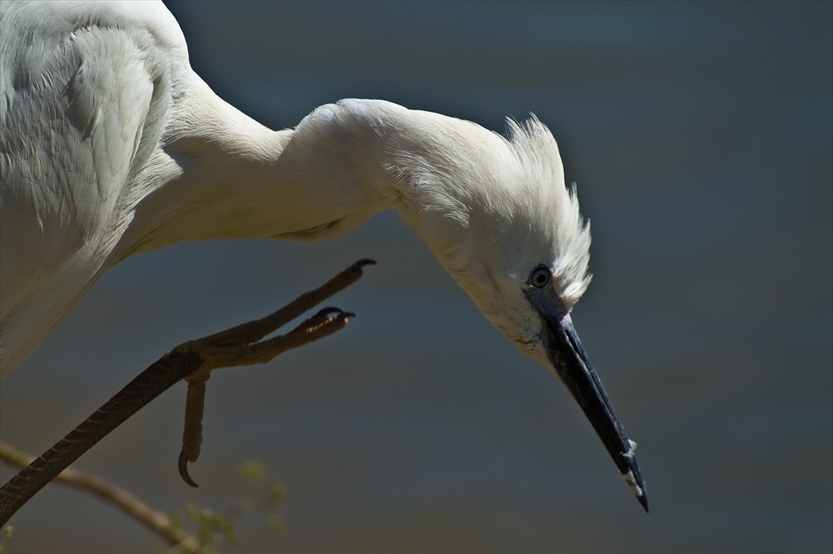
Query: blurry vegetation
[262, 498]
[195, 529]
[6, 532]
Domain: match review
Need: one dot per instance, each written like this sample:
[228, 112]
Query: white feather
[111, 146]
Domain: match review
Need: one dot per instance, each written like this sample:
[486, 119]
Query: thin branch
[129, 503]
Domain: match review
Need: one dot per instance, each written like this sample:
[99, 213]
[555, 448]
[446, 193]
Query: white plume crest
[554, 205]
[490, 206]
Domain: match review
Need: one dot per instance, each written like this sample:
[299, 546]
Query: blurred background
[699, 135]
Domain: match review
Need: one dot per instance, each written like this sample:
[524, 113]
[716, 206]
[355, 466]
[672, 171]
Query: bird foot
[192, 361]
[245, 345]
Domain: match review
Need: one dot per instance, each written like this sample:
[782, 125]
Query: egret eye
[540, 277]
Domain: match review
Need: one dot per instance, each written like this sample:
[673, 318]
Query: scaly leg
[214, 357]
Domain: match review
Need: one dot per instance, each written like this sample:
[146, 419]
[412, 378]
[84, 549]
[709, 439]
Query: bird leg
[192, 432]
[214, 357]
[240, 345]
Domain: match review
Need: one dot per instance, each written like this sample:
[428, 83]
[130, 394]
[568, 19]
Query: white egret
[111, 146]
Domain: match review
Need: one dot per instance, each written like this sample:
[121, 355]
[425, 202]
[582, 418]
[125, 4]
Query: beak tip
[634, 480]
[643, 499]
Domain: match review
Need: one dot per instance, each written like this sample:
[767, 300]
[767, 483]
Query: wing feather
[75, 94]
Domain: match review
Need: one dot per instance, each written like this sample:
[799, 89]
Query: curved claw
[325, 312]
[363, 262]
[183, 470]
[345, 315]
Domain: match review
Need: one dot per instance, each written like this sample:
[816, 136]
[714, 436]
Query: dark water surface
[700, 138]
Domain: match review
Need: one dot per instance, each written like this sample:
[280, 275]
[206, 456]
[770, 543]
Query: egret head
[498, 215]
[495, 211]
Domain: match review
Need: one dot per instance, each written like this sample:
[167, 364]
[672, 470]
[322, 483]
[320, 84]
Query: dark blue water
[700, 138]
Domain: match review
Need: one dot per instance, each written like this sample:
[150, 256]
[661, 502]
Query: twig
[157, 521]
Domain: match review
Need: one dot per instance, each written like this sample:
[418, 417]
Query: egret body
[111, 146]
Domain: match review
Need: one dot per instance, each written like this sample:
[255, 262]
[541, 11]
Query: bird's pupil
[540, 277]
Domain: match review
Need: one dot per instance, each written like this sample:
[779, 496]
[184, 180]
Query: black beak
[570, 361]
